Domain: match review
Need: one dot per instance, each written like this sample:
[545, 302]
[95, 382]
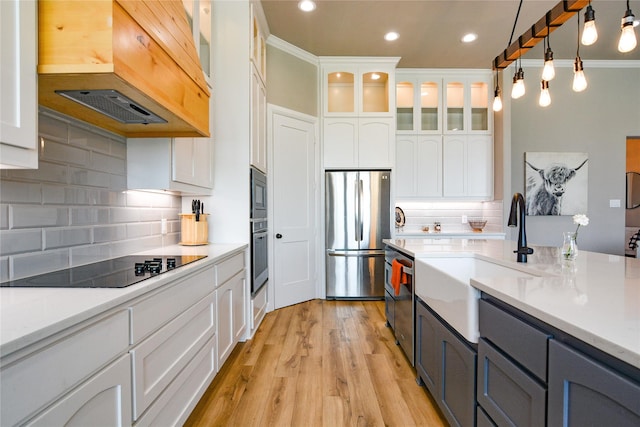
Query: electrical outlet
[464, 219]
[614, 203]
[163, 226]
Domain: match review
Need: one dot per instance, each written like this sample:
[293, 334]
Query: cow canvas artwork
[556, 183]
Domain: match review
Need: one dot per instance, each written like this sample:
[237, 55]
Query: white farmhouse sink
[444, 284]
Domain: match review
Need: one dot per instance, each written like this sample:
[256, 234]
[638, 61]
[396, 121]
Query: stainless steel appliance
[112, 273]
[357, 219]
[259, 231]
[399, 305]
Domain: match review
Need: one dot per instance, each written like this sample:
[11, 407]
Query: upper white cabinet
[200, 20]
[358, 86]
[258, 46]
[358, 103]
[18, 85]
[444, 135]
[258, 121]
[443, 102]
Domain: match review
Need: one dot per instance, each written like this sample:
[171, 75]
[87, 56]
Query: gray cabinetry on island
[583, 391]
[530, 374]
[446, 363]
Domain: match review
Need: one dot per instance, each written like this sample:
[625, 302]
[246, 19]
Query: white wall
[596, 121]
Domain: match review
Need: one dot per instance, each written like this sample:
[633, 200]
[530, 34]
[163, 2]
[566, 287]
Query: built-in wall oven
[259, 231]
[399, 298]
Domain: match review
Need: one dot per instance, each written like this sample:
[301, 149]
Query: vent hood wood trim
[142, 49]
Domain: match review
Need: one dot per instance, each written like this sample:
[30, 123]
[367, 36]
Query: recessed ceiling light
[306, 5]
[391, 36]
[468, 38]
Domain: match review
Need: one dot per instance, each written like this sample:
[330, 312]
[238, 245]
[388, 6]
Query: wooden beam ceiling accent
[554, 18]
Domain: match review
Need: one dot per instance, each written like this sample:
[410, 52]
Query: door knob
[278, 236]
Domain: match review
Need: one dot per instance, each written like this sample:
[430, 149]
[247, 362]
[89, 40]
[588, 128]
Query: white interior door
[294, 194]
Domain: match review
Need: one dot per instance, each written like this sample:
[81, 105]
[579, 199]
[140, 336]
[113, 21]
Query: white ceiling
[430, 30]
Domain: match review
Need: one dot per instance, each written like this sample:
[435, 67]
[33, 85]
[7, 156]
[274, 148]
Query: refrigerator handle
[358, 220]
[360, 195]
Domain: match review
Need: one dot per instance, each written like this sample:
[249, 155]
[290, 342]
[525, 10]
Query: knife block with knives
[194, 226]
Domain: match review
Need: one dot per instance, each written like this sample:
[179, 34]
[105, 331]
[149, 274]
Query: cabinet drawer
[149, 314]
[175, 404]
[509, 395]
[159, 358]
[226, 269]
[31, 383]
[521, 341]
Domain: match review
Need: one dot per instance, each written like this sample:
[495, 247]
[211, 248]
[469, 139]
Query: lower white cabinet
[104, 399]
[358, 142]
[53, 374]
[158, 360]
[230, 304]
[258, 308]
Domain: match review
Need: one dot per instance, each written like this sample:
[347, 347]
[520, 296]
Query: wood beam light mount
[553, 19]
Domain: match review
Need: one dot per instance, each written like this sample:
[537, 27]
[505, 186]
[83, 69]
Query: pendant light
[545, 98]
[497, 99]
[579, 80]
[627, 40]
[518, 89]
[549, 71]
[589, 33]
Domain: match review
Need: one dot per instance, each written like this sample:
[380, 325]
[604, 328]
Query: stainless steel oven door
[258, 194]
[259, 260]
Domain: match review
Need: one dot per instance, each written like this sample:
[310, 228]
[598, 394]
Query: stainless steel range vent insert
[113, 104]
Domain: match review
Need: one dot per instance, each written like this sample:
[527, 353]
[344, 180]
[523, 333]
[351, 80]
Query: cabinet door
[428, 351]
[429, 169]
[457, 380]
[258, 122]
[104, 399]
[509, 395]
[479, 166]
[202, 161]
[585, 392]
[406, 161]
[454, 166]
[183, 155]
[341, 142]
[225, 332]
[18, 104]
[339, 90]
[375, 143]
[239, 307]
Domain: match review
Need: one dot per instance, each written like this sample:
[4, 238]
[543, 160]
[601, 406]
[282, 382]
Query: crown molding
[280, 44]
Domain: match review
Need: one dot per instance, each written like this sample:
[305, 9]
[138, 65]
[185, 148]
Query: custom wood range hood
[131, 59]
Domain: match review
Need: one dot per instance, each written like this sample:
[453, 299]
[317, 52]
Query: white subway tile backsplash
[89, 216]
[20, 241]
[4, 269]
[449, 214]
[66, 237]
[20, 192]
[75, 208]
[109, 233]
[66, 153]
[38, 262]
[109, 164]
[31, 216]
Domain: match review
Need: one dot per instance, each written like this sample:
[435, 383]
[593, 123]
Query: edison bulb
[549, 71]
[497, 102]
[545, 96]
[590, 33]
[628, 40]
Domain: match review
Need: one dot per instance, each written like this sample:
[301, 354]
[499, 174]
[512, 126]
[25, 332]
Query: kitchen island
[555, 339]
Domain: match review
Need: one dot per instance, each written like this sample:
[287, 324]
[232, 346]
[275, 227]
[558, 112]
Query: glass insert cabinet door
[200, 18]
[467, 106]
[479, 106]
[455, 98]
[357, 92]
[417, 106]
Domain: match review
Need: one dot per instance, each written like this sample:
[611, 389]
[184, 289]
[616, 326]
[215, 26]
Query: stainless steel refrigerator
[357, 213]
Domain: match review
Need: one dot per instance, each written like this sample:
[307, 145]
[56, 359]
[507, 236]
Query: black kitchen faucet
[523, 250]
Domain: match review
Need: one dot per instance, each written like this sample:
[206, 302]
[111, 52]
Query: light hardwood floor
[318, 363]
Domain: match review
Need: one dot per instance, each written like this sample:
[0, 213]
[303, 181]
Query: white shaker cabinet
[467, 166]
[258, 121]
[230, 305]
[358, 104]
[419, 166]
[18, 85]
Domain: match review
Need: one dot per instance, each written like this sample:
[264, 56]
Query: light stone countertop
[595, 298]
[30, 314]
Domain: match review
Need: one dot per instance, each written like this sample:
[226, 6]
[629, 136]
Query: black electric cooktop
[113, 273]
